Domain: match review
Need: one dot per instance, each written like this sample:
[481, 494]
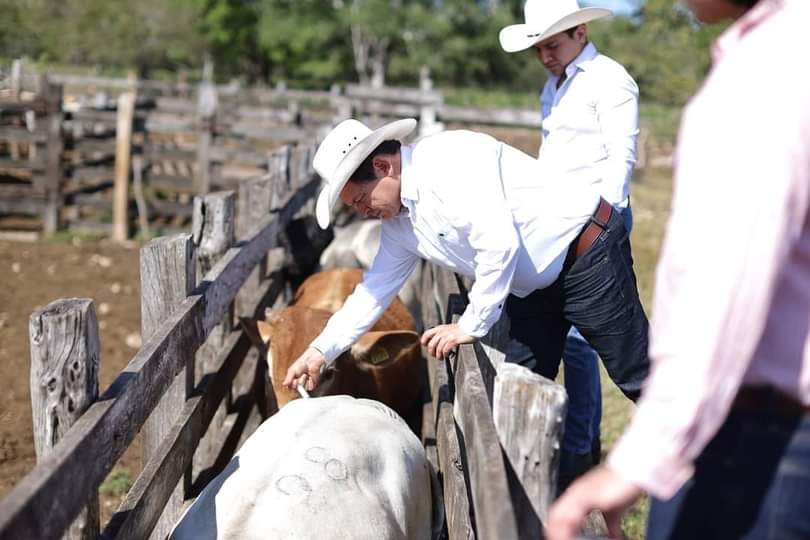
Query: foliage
[315, 43]
[661, 46]
[117, 483]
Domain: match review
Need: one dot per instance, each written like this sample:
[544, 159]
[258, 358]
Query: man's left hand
[443, 339]
[601, 489]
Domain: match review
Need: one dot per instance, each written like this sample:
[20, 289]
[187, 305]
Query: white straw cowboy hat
[342, 152]
[545, 18]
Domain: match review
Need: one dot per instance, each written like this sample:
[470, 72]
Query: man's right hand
[311, 363]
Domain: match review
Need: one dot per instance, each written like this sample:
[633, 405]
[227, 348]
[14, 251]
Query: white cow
[355, 245]
[321, 468]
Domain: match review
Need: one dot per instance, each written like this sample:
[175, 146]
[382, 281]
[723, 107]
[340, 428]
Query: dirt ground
[38, 273]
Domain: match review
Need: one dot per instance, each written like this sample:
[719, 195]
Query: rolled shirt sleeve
[381, 283]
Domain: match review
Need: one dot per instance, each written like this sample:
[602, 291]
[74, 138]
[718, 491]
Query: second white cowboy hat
[545, 18]
[342, 151]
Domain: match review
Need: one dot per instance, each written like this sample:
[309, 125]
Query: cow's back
[328, 290]
[332, 467]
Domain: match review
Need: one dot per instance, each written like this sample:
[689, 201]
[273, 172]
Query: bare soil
[38, 273]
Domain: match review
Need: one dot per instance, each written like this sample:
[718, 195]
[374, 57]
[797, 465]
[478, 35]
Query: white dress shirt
[590, 124]
[732, 297]
[477, 207]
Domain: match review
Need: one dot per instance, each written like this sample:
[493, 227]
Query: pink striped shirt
[732, 299]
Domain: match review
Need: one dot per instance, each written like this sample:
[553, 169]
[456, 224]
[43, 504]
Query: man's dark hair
[745, 3]
[570, 31]
[365, 172]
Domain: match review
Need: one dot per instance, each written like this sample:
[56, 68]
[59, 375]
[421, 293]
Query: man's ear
[581, 33]
[382, 165]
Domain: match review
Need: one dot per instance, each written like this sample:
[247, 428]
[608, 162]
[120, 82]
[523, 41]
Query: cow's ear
[378, 348]
[265, 329]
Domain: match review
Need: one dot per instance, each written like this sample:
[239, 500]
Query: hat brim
[519, 37]
[328, 196]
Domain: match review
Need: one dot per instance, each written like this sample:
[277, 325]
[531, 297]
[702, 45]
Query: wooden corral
[197, 389]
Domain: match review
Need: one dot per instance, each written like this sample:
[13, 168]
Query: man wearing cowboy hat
[483, 209]
[590, 122]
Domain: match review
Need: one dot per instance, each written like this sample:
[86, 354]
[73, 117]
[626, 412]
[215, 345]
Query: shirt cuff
[329, 350]
[473, 326]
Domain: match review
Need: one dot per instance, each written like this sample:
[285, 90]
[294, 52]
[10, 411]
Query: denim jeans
[581, 367]
[598, 295]
[752, 481]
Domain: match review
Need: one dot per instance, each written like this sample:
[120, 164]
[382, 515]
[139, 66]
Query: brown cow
[327, 290]
[385, 364]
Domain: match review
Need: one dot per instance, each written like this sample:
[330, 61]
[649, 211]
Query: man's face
[557, 51]
[379, 198]
[712, 11]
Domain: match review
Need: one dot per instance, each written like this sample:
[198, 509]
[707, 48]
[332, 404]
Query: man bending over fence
[553, 253]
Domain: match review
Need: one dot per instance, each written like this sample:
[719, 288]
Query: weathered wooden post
[140, 199]
[255, 197]
[340, 104]
[212, 227]
[53, 168]
[16, 78]
[64, 383]
[123, 146]
[528, 411]
[168, 275]
[279, 169]
[206, 113]
[427, 110]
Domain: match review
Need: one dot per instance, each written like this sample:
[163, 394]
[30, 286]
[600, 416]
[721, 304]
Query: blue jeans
[584, 390]
[752, 481]
[582, 385]
[598, 295]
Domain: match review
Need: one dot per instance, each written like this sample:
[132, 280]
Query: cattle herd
[346, 463]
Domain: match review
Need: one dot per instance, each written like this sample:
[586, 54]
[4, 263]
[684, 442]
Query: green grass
[116, 484]
[490, 99]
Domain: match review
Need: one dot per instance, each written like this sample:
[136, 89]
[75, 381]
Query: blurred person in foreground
[721, 436]
[590, 123]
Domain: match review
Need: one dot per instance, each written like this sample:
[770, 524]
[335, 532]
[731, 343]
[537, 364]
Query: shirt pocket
[447, 235]
[442, 231]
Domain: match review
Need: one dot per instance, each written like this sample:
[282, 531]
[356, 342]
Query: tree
[661, 46]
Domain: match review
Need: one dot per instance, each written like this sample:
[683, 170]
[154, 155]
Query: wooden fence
[109, 157]
[197, 389]
[193, 363]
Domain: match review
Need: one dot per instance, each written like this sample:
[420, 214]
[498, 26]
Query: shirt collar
[582, 61]
[735, 33]
[407, 189]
